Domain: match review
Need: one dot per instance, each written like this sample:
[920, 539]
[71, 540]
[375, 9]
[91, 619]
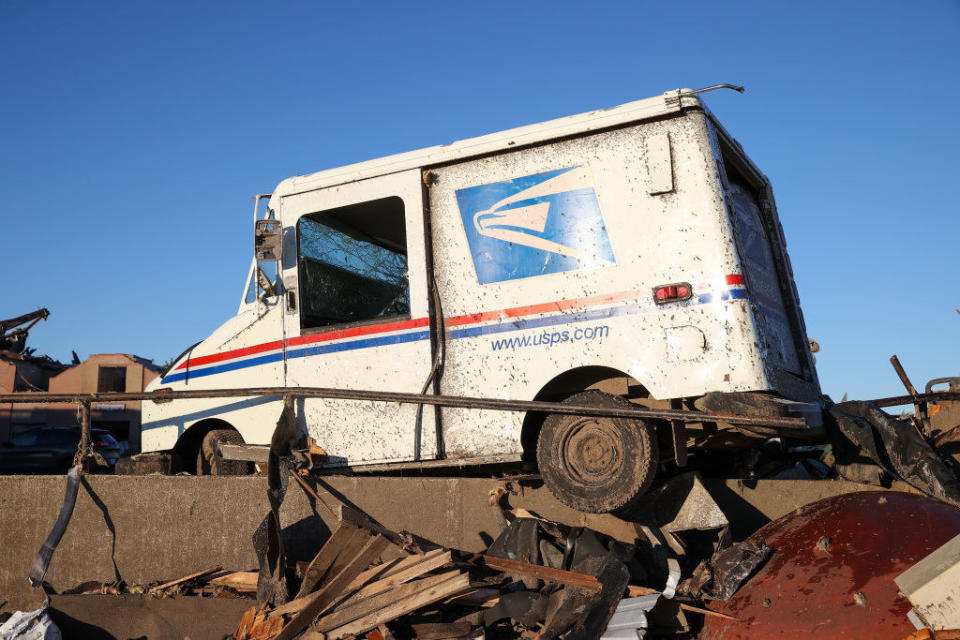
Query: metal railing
[85, 402]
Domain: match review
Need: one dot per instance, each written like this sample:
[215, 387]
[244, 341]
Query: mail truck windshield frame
[352, 264]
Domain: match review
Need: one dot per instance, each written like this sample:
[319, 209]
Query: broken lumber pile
[346, 591]
[537, 577]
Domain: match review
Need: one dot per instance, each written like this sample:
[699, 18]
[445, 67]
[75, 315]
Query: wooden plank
[344, 543]
[441, 630]
[706, 612]
[402, 607]
[333, 589]
[352, 548]
[413, 572]
[325, 557]
[198, 574]
[352, 540]
[249, 452]
[635, 591]
[301, 567]
[478, 597]
[296, 605]
[359, 519]
[313, 494]
[255, 626]
[345, 613]
[520, 568]
[239, 580]
[246, 622]
[431, 561]
[390, 568]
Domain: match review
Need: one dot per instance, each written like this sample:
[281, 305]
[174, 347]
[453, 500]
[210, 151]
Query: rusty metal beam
[33, 318]
[83, 449]
[919, 406]
[896, 401]
[493, 404]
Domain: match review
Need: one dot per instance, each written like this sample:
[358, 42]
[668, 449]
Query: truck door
[361, 318]
[761, 279]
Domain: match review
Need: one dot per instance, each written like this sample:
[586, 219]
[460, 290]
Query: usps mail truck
[623, 257]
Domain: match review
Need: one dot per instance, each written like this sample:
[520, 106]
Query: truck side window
[353, 264]
[251, 288]
[254, 288]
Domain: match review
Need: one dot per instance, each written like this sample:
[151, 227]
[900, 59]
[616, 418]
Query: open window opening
[112, 379]
[264, 281]
[739, 174]
[353, 264]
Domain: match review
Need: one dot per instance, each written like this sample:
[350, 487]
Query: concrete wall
[150, 528]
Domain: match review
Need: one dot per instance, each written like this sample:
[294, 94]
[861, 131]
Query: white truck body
[545, 245]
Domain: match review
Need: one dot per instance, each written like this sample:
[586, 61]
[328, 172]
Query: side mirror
[267, 240]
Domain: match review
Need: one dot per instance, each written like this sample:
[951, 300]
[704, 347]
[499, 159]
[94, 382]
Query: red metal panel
[843, 589]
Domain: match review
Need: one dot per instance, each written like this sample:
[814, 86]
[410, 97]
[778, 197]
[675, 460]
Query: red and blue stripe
[547, 314]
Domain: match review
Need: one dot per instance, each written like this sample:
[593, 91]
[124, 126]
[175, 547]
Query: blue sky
[133, 134]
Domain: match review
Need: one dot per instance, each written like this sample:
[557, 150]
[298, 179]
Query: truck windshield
[353, 264]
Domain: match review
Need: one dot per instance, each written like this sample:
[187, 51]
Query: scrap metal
[13, 337]
[805, 590]
[796, 425]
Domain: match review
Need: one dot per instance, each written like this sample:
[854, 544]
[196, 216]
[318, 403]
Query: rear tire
[209, 460]
[593, 464]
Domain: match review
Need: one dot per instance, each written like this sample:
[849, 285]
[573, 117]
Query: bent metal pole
[466, 402]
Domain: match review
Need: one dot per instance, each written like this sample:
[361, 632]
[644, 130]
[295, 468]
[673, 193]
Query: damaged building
[21, 371]
[101, 373]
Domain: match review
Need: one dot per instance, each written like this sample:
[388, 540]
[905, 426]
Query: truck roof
[670, 102]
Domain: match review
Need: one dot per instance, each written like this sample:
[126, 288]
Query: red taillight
[672, 292]
[665, 293]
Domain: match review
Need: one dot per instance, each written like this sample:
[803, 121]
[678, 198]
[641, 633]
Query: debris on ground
[536, 577]
[883, 563]
[933, 587]
[543, 579]
[894, 445]
[192, 576]
[832, 567]
[30, 625]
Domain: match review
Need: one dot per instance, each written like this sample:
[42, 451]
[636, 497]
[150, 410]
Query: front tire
[209, 460]
[594, 464]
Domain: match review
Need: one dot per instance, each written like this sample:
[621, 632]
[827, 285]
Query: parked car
[51, 449]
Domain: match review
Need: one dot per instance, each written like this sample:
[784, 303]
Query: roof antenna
[735, 87]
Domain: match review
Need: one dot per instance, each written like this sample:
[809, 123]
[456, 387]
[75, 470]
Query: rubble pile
[537, 579]
[827, 566]
[839, 565]
[878, 560]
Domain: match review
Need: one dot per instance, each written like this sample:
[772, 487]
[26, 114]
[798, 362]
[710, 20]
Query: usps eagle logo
[543, 223]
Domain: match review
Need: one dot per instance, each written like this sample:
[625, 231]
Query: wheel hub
[590, 452]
